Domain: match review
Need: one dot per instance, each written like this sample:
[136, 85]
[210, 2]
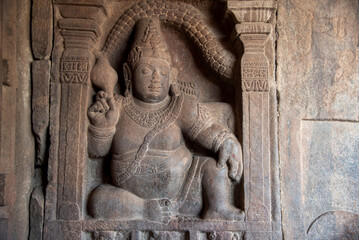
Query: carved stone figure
[155, 175]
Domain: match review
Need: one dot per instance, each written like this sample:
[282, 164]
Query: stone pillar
[254, 28]
[16, 139]
[74, 77]
[79, 32]
[76, 33]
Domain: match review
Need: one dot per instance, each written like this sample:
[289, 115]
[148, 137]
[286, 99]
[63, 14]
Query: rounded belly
[164, 182]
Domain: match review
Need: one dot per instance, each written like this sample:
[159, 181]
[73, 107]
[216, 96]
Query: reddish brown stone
[41, 28]
[317, 75]
[40, 106]
[77, 183]
[153, 100]
[36, 214]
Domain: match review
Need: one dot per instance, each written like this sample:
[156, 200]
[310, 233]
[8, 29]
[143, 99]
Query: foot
[156, 212]
[229, 213]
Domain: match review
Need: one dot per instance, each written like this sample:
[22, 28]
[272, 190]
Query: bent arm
[200, 126]
[216, 137]
[213, 135]
[103, 116]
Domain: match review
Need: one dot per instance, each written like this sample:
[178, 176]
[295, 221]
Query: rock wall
[318, 82]
[17, 152]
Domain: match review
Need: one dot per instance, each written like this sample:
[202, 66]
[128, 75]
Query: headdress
[149, 42]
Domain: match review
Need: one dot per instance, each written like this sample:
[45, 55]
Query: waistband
[164, 160]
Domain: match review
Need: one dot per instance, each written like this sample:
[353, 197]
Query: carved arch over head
[183, 17]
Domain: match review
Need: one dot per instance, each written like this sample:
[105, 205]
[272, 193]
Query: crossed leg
[110, 202]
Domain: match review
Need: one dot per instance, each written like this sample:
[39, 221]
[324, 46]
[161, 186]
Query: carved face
[151, 77]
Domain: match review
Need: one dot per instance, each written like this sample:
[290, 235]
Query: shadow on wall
[335, 225]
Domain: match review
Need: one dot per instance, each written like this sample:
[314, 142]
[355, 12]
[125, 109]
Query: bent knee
[98, 201]
[108, 201]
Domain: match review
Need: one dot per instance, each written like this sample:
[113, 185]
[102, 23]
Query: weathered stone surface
[252, 11]
[41, 28]
[16, 148]
[37, 205]
[103, 198]
[8, 82]
[2, 190]
[25, 142]
[335, 225]
[40, 106]
[186, 19]
[329, 155]
[318, 82]
[261, 181]
[159, 191]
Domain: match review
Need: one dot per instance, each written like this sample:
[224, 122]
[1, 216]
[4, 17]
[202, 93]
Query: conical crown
[149, 42]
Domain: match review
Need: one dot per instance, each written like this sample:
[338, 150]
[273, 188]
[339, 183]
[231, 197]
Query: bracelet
[97, 132]
[220, 138]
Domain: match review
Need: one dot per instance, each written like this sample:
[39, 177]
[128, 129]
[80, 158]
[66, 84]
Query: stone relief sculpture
[154, 156]
[155, 175]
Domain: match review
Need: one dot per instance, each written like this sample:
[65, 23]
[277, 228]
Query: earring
[174, 90]
[128, 89]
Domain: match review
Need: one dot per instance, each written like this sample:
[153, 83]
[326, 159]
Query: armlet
[202, 119]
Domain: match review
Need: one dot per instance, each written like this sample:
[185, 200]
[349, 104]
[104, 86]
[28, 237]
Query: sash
[160, 126]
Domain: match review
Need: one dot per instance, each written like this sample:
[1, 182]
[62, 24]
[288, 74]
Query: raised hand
[103, 113]
[230, 153]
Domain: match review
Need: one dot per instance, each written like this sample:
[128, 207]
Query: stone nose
[156, 76]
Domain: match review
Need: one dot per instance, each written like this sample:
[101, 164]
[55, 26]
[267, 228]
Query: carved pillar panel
[79, 29]
[255, 97]
[253, 28]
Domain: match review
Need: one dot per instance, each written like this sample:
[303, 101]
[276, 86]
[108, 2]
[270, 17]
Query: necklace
[149, 119]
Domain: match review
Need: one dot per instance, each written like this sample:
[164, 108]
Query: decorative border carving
[182, 16]
[255, 76]
[203, 118]
[74, 70]
[252, 11]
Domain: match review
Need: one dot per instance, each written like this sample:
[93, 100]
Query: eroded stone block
[41, 28]
[2, 190]
[40, 106]
[36, 213]
[330, 168]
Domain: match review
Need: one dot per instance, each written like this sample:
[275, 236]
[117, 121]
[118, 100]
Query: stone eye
[145, 71]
